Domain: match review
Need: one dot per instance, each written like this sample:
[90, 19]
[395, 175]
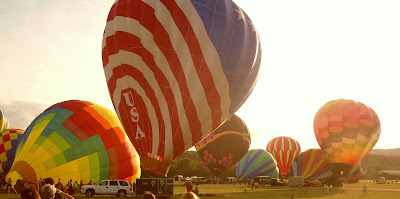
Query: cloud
[21, 113]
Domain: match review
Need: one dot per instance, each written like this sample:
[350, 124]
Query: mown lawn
[236, 192]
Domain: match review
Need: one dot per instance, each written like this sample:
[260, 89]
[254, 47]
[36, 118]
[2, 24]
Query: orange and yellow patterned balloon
[346, 130]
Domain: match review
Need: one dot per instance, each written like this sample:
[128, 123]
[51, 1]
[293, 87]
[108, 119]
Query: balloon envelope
[4, 124]
[225, 146]
[257, 162]
[285, 150]
[354, 174]
[308, 163]
[9, 141]
[176, 70]
[346, 130]
[333, 173]
[75, 140]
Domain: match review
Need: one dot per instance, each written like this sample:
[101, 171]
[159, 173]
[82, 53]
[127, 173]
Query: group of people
[72, 187]
[328, 188]
[189, 187]
[47, 190]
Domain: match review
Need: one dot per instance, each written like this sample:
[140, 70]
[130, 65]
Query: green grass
[236, 192]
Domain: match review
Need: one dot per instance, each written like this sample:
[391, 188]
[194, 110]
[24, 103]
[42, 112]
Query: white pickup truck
[120, 188]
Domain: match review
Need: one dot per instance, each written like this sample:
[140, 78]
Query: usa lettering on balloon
[134, 114]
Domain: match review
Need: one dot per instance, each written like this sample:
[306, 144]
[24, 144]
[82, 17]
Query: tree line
[190, 164]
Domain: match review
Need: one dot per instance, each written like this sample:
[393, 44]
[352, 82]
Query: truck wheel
[121, 193]
[89, 193]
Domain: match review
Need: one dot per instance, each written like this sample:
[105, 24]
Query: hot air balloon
[354, 174]
[257, 162]
[346, 131]
[76, 140]
[3, 121]
[285, 150]
[308, 163]
[334, 174]
[225, 146]
[9, 140]
[176, 70]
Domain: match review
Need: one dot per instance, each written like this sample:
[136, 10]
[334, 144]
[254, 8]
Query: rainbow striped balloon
[257, 162]
[75, 140]
[308, 163]
[9, 140]
[285, 150]
[4, 124]
[346, 130]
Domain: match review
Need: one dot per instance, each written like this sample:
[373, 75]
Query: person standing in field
[245, 188]
[75, 186]
[80, 186]
[189, 186]
[196, 188]
[365, 189]
[326, 187]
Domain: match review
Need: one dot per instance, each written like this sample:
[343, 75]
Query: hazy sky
[313, 52]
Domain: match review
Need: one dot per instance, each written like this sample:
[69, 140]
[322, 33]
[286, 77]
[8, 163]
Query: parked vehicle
[263, 180]
[277, 182]
[312, 183]
[202, 180]
[381, 180]
[178, 178]
[120, 188]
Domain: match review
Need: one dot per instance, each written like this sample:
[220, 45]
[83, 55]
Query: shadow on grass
[284, 192]
[300, 192]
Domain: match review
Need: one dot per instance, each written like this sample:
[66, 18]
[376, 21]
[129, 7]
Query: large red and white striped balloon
[176, 70]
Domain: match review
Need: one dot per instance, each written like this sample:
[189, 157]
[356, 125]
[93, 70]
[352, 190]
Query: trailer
[160, 187]
[296, 181]
[381, 180]
[178, 178]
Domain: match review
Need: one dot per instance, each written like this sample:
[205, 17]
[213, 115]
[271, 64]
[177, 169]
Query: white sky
[313, 52]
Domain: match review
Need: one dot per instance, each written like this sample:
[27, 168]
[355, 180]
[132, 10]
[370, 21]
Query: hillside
[392, 152]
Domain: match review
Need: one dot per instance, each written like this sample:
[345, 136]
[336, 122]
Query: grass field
[236, 192]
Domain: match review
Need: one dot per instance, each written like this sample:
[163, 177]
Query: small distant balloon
[4, 124]
[225, 146]
[9, 141]
[76, 140]
[346, 130]
[257, 162]
[285, 150]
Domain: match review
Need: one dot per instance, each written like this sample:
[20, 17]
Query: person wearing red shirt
[189, 186]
